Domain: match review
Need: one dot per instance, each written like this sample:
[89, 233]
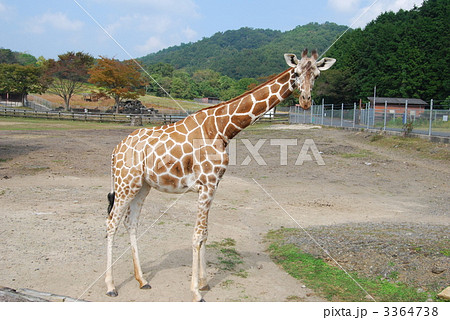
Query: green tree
[21, 80]
[68, 74]
[335, 86]
[7, 56]
[405, 54]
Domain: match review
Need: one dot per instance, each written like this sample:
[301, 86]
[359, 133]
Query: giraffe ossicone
[190, 155]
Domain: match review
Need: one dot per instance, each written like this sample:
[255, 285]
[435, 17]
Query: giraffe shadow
[183, 258]
[174, 259]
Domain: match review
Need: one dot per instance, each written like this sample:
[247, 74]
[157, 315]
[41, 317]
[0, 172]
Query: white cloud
[151, 25]
[189, 33]
[344, 5]
[362, 17]
[152, 44]
[6, 12]
[142, 23]
[184, 7]
[57, 20]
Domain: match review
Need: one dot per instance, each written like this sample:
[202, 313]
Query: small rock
[445, 294]
[437, 270]
[260, 266]
[303, 286]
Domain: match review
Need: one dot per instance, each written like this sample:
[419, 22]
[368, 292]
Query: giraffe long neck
[235, 115]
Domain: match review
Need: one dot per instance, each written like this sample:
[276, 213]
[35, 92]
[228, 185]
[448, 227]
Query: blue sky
[48, 27]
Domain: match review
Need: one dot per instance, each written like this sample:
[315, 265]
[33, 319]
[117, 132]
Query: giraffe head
[307, 69]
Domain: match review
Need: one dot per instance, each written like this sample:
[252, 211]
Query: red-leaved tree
[119, 80]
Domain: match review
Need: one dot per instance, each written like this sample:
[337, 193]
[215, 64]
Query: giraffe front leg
[199, 281]
[196, 249]
[203, 282]
[143, 284]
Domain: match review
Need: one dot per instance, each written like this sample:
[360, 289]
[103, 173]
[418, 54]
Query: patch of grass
[376, 137]
[30, 124]
[294, 299]
[330, 281]
[228, 257]
[168, 103]
[445, 252]
[227, 242]
[394, 275]
[226, 283]
[421, 147]
[4, 160]
[361, 154]
[241, 273]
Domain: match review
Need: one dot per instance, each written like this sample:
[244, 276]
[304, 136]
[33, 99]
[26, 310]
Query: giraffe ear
[291, 59]
[325, 63]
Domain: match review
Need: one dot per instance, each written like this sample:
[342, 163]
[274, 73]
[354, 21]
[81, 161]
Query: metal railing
[99, 117]
[432, 122]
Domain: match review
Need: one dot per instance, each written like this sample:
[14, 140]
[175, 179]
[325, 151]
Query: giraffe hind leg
[120, 207]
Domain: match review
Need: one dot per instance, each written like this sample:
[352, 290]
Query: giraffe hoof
[112, 293]
[205, 288]
[146, 286]
[202, 300]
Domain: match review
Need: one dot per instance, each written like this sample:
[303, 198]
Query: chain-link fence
[430, 120]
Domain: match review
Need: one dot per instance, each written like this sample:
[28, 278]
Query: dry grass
[164, 105]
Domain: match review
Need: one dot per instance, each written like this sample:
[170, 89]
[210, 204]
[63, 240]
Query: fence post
[431, 117]
[354, 113]
[368, 113]
[332, 114]
[323, 111]
[385, 114]
[405, 119]
[312, 107]
[342, 115]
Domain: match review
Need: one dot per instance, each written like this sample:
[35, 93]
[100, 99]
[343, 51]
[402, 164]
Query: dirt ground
[53, 208]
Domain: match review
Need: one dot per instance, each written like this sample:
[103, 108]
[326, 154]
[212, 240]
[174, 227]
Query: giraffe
[190, 155]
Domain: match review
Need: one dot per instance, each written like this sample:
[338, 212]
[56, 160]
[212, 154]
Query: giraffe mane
[272, 79]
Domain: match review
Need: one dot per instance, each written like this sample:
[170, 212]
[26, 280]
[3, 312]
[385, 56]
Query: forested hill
[247, 52]
[404, 54]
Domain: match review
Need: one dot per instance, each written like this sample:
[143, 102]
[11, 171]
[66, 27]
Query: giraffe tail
[112, 194]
